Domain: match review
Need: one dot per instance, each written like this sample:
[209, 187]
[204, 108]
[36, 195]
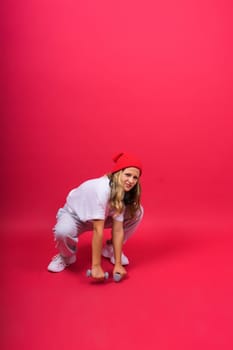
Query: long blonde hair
[119, 199]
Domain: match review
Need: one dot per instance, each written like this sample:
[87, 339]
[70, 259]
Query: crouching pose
[110, 201]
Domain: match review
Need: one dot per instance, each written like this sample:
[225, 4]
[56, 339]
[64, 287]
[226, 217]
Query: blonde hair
[119, 199]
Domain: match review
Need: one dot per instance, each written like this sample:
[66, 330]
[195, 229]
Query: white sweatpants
[69, 227]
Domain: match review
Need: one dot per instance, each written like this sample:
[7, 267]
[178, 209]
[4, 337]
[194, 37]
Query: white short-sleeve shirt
[90, 200]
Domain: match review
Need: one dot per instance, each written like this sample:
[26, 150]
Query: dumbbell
[117, 277]
[89, 274]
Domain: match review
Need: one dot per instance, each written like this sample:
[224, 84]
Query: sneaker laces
[60, 259]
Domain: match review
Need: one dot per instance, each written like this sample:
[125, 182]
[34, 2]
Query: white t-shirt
[90, 200]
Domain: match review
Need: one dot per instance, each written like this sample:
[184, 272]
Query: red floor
[178, 294]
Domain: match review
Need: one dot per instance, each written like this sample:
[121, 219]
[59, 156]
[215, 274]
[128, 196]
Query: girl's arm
[117, 241]
[97, 242]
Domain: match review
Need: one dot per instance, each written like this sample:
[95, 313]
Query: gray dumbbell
[89, 274]
[117, 277]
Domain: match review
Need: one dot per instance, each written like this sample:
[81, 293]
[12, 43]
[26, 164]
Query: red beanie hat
[126, 160]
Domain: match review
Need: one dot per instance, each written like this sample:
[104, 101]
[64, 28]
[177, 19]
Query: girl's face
[129, 178]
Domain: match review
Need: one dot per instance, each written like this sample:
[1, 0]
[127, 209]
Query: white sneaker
[59, 263]
[108, 252]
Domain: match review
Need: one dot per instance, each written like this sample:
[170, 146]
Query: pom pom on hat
[126, 160]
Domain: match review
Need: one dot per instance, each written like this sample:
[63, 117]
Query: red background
[84, 80]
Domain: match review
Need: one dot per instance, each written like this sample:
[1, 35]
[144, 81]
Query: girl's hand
[97, 272]
[118, 268]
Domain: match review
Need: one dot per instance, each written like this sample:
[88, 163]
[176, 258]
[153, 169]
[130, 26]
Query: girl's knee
[65, 226]
[62, 231]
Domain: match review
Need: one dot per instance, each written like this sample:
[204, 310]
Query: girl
[111, 201]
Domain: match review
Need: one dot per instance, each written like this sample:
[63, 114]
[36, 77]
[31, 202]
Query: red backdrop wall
[83, 80]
